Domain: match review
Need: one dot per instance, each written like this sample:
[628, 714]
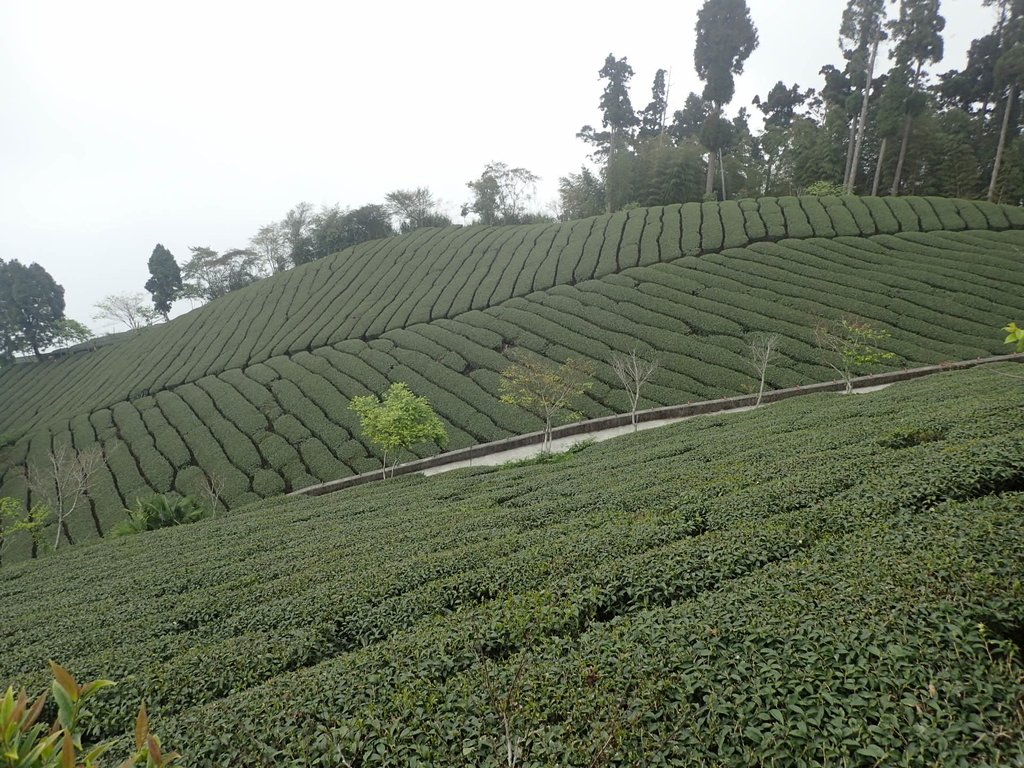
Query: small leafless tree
[507, 703]
[507, 706]
[63, 481]
[212, 489]
[129, 309]
[633, 371]
[764, 347]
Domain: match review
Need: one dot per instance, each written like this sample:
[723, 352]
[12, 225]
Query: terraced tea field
[828, 581]
[253, 389]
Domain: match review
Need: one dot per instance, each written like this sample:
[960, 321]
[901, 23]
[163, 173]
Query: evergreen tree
[1009, 73]
[1002, 60]
[616, 109]
[779, 108]
[31, 308]
[889, 112]
[688, 121]
[621, 122]
[918, 35]
[726, 37]
[9, 329]
[861, 30]
[652, 119]
[164, 282]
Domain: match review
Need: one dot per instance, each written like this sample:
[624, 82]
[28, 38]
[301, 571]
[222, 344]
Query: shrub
[824, 188]
[908, 438]
[160, 511]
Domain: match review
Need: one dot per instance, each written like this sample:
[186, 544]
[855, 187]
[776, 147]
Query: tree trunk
[760, 391]
[709, 184]
[849, 151]
[906, 135]
[863, 119]
[721, 170]
[903, 156]
[878, 167]
[1002, 142]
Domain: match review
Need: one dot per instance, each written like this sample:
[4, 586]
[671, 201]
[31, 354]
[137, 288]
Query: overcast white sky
[188, 123]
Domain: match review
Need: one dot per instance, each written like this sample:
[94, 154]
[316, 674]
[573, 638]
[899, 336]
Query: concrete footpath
[565, 443]
[605, 427]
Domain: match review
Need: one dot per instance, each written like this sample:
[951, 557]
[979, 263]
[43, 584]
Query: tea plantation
[832, 580]
[252, 390]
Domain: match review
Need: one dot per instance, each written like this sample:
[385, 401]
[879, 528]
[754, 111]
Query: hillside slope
[253, 388]
[826, 581]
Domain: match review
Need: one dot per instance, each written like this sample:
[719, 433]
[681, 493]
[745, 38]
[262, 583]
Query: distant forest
[874, 125]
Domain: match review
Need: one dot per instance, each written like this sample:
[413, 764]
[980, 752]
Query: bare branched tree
[764, 347]
[507, 706]
[633, 371]
[63, 481]
[212, 490]
[129, 309]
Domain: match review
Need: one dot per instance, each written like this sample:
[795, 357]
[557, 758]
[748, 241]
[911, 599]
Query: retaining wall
[653, 414]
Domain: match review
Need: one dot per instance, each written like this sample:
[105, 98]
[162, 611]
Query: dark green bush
[160, 511]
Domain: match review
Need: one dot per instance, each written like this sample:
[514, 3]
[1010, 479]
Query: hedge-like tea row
[831, 580]
[430, 274]
[284, 423]
[253, 394]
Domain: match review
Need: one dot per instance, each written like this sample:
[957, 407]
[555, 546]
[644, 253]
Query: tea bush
[276, 364]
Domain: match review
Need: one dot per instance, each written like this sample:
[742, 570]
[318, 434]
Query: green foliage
[208, 275]
[31, 309]
[581, 195]
[850, 344]
[617, 113]
[254, 388]
[544, 387]
[15, 519]
[501, 195]
[26, 743]
[1014, 335]
[398, 420]
[725, 39]
[775, 571]
[333, 229]
[414, 208]
[908, 438]
[71, 332]
[160, 511]
[823, 188]
[164, 279]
